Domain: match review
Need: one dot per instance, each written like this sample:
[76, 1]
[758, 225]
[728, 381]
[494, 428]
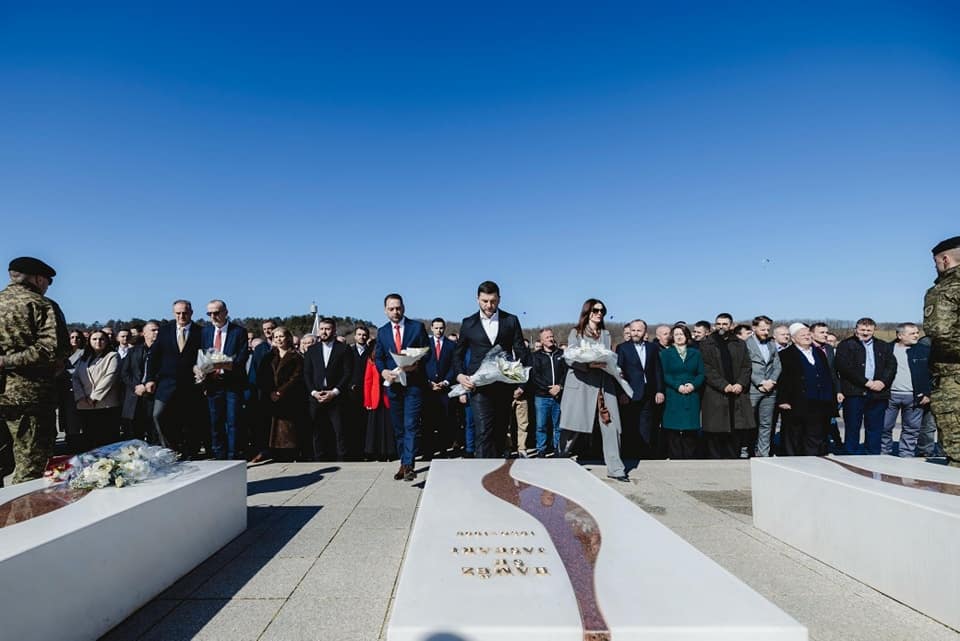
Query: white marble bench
[891, 523]
[574, 561]
[77, 571]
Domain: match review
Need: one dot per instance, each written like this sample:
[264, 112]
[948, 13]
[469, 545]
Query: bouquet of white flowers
[210, 360]
[594, 352]
[117, 464]
[406, 358]
[495, 368]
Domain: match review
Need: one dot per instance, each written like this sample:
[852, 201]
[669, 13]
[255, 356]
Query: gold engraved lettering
[522, 571]
[503, 571]
[501, 550]
[526, 550]
[456, 551]
[467, 551]
[483, 573]
[542, 571]
[542, 551]
[515, 551]
[500, 562]
[483, 550]
[518, 563]
[467, 572]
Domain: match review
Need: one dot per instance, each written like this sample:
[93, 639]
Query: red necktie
[217, 343]
[438, 349]
[396, 338]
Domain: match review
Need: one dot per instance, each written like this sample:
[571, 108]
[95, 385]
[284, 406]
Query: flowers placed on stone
[118, 464]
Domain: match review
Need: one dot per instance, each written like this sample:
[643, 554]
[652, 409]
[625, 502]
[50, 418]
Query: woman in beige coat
[579, 406]
[96, 391]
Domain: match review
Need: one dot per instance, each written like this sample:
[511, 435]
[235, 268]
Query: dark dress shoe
[410, 474]
[400, 473]
[623, 479]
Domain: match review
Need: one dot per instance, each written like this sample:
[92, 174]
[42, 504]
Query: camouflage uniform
[941, 321]
[34, 344]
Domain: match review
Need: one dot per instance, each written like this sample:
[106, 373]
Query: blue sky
[797, 160]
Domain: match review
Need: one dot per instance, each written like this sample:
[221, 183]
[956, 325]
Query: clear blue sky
[793, 159]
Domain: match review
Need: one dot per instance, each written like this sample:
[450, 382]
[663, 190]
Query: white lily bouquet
[117, 464]
[208, 361]
[406, 358]
[495, 368]
[594, 352]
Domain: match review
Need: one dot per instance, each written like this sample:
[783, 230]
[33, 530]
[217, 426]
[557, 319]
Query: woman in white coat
[590, 394]
[96, 391]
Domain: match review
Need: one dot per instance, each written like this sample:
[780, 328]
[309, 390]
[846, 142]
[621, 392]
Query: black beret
[32, 266]
[947, 245]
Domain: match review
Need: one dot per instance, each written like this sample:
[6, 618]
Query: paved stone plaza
[323, 549]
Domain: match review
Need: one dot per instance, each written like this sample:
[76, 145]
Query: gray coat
[578, 406]
[762, 369]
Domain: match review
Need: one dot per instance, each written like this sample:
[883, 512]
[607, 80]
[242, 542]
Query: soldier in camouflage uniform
[941, 322]
[33, 347]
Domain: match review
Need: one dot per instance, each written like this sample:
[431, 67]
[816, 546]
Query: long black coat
[716, 405]
[792, 384]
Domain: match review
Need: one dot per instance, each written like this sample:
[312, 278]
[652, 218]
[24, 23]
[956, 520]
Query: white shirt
[325, 351]
[491, 326]
[642, 353]
[808, 354]
[122, 351]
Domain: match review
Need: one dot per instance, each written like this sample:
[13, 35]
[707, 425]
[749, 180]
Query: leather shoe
[410, 474]
[622, 478]
[400, 473]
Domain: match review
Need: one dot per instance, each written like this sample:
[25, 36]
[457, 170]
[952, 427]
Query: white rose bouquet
[594, 352]
[495, 368]
[209, 361]
[117, 464]
[406, 358]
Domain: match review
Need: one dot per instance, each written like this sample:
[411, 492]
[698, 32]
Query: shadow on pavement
[283, 483]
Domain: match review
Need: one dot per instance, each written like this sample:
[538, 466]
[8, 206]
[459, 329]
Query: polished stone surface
[557, 554]
[347, 593]
[892, 523]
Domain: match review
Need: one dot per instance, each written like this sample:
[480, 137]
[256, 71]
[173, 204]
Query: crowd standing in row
[710, 390]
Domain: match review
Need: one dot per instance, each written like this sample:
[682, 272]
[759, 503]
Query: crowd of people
[715, 390]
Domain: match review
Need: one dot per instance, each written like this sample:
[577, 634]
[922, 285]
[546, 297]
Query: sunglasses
[598, 310]
[214, 313]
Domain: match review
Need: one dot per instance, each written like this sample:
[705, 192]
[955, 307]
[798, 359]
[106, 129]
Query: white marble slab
[76, 572]
[649, 583]
[901, 540]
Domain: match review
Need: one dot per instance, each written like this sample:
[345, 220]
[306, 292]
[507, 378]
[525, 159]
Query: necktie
[396, 338]
[181, 338]
[217, 341]
[438, 349]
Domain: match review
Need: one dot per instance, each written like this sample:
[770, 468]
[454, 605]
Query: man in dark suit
[178, 413]
[257, 410]
[639, 360]
[357, 413]
[438, 363]
[820, 333]
[866, 367]
[137, 403]
[224, 388]
[491, 404]
[806, 395]
[406, 401]
[327, 371]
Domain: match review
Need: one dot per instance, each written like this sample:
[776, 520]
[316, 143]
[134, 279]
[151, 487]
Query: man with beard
[639, 360]
[821, 337]
[728, 423]
[765, 366]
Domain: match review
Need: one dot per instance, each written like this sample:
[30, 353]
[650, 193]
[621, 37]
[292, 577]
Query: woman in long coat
[683, 379]
[579, 407]
[283, 384]
[96, 390]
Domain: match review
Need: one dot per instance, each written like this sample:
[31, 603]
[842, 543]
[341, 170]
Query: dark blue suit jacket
[442, 369]
[234, 346]
[414, 335]
[645, 381]
[170, 368]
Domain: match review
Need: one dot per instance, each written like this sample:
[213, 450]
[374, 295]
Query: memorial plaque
[890, 522]
[542, 549]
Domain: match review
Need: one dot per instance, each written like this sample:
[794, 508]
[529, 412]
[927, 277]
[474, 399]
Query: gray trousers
[904, 405]
[763, 406]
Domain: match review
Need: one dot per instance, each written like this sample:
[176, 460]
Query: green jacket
[941, 319]
[34, 343]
